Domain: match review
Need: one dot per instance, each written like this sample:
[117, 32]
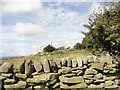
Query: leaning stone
[91, 71]
[97, 66]
[21, 84]
[21, 76]
[71, 80]
[74, 63]
[69, 62]
[53, 66]
[9, 81]
[7, 75]
[46, 65]
[64, 70]
[81, 85]
[64, 62]
[109, 83]
[6, 67]
[98, 76]
[80, 62]
[28, 67]
[63, 86]
[58, 63]
[37, 65]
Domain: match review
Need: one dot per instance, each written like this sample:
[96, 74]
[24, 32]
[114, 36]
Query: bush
[49, 48]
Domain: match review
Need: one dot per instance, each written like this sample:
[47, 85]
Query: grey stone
[89, 77]
[91, 71]
[30, 80]
[109, 67]
[97, 66]
[109, 83]
[7, 75]
[85, 61]
[21, 84]
[88, 81]
[64, 70]
[69, 62]
[64, 62]
[112, 87]
[9, 81]
[117, 81]
[51, 76]
[92, 86]
[6, 67]
[21, 76]
[56, 85]
[99, 81]
[37, 65]
[29, 67]
[80, 63]
[81, 85]
[58, 63]
[64, 86]
[69, 75]
[46, 65]
[74, 63]
[11, 86]
[2, 78]
[98, 76]
[53, 66]
[77, 79]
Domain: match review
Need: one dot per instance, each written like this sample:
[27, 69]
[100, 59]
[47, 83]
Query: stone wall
[89, 72]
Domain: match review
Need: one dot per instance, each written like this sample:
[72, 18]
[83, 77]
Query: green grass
[53, 56]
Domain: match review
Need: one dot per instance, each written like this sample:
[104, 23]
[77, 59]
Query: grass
[51, 56]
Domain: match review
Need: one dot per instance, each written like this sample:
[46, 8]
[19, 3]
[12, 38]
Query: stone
[112, 78]
[88, 81]
[56, 85]
[2, 78]
[117, 81]
[46, 65]
[11, 86]
[69, 75]
[99, 81]
[37, 65]
[21, 76]
[21, 84]
[7, 75]
[105, 71]
[79, 73]
[106, 59]
[9, 81]
[91, 71]
[74, 63]
[72, 80]
[89, 77]
[64, 70]
[51, 76]
[109, 83]
[6, 67]
[53, 66]
[28, 67]
[19, 67]
[30, 80]
[101, 85]
[85, 62]
[64, 62]
[92, 86]
[40, 78]
[69, 62]
[110, 67]
[90, 59]
[81, 85]
[58, 63]
[112, 87]
[80, 63]
[97, 66]
[51, 82]
[113, 70]
[98, 76]
[37, 73]
[63, 86]
[37, 87]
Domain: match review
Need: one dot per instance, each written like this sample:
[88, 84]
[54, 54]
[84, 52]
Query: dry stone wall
[65, 73]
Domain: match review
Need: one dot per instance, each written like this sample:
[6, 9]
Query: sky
[29, 25]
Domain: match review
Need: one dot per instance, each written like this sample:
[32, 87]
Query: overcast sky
[28, 25]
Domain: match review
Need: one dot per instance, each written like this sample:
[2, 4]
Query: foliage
[77, 46]
[49, 48]
[104, 30]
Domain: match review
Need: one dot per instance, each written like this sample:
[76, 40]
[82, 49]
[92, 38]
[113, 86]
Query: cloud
[20, 6]
[28, 29]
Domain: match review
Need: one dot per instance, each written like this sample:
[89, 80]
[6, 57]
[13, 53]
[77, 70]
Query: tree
[49, 48]
[104, 30]
[77, 46]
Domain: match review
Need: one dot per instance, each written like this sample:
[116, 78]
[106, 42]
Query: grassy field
[51, 56]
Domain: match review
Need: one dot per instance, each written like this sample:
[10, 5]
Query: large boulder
[91, 71]
[72, 80]
[46, 65]
[6, 67]
[37, 65]
[29, 67]
[98, 66]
